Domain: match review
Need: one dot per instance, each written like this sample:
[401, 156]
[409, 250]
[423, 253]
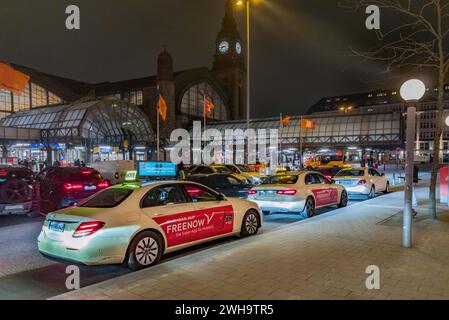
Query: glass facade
[34, 96]
[193, 102]
[381, 129]
[99, 121]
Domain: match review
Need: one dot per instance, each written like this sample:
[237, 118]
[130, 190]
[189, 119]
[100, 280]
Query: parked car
[253, 176]
[136, 224]
[363, 181]
[302, 193]
[203, 169]
[61, 187]
[229, 184]
[16, 190]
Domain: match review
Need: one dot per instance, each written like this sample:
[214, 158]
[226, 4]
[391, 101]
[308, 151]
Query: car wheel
[309, 210]
[343, 199]
[250, 224]
[387, 188]
[145, 250]
[372, 193]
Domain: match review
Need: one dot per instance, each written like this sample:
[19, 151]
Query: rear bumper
[95, 251]
[281, 207]
[17, 208]
[361, 190]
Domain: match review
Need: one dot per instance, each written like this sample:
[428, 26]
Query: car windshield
[284, 179]
[108, 198]
[351, 173]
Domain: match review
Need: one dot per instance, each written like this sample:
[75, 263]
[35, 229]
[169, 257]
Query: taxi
[303, 192]
[136, 223]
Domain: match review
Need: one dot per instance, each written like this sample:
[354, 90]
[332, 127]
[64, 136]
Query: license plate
[15, 207]
[56, 226]
[90, 188]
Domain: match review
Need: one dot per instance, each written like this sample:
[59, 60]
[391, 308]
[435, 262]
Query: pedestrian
[82, 164]
[77, 163]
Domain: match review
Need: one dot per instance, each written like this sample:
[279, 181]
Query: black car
[61, 187]
[16, 190]
[228, 184]
[203, 169]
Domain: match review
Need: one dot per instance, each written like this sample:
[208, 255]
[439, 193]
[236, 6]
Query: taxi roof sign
[131, 175]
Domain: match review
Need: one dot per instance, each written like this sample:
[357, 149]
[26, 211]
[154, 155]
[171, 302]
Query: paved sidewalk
[321, 258]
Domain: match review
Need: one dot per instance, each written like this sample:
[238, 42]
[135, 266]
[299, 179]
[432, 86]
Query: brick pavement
[321, 258]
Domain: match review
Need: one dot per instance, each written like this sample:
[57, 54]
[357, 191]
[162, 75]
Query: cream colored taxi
[137, 223]
[301, 192]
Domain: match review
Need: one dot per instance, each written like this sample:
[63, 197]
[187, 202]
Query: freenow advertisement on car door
[196, 225]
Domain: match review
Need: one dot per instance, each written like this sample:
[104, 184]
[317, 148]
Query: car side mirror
[333, 181]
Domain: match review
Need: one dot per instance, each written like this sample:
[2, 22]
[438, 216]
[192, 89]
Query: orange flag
[162, 107]
[308, 124]
[12, 80]
[286, 121]
[208, 106]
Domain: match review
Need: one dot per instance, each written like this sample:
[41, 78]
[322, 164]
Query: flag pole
[301, 143]
[158, 136]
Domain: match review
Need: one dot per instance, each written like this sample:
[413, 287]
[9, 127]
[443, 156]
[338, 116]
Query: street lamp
[248, 61]
[411, 91]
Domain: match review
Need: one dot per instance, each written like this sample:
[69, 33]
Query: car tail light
[290, 192]
[329, 177]
[87, 228]
[3, 173]
[252, 192]
[73, 187]
[363, 181]
[103, 185]
[86, 172]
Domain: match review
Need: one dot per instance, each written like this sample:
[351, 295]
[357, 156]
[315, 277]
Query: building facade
[184, 91]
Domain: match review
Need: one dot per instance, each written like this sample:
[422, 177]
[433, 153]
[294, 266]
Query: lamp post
[411, 91]
[248, 63]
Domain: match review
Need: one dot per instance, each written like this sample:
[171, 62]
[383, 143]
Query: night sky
[301, 48]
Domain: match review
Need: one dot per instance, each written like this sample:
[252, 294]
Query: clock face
[223, 46]
[238, 48]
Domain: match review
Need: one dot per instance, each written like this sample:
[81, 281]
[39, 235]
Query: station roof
[348, 129]
[97, 121]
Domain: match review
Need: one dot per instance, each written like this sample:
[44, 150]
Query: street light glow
[413, 90]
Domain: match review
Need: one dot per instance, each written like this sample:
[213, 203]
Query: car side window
[161, 196]
[199, 194]
[310, 179]
[322, 179]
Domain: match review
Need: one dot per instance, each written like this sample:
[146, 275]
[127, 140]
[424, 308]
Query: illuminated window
[38, 96]
[5, 100]
[193, 102]
[136, 97]
[53, 99]
[22, 102]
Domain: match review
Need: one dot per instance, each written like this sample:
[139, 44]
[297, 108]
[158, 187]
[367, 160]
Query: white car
[363, 182]
[137, 223]
[302, 192]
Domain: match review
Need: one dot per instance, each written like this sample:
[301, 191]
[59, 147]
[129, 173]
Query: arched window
[193, 102]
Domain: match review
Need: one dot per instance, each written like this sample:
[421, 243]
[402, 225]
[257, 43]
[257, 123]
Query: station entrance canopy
[95, 122]
[376, 129]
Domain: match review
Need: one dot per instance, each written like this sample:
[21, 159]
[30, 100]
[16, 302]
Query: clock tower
[229, 65]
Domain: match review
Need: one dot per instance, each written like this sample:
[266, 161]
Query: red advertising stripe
[325, 196]
[196, 225]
